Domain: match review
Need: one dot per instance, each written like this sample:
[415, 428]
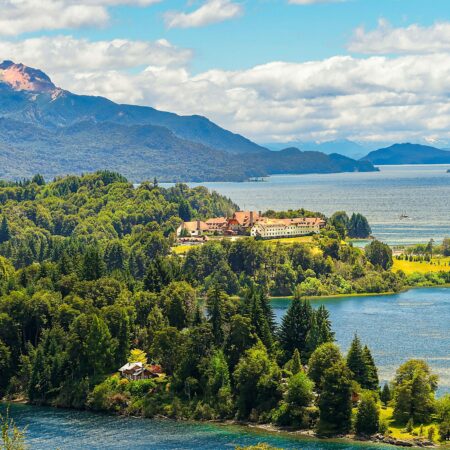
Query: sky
[272, 70]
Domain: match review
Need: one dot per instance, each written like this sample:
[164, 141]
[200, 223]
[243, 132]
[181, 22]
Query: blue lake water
[421, 192]
[413, 324]
[78, 430]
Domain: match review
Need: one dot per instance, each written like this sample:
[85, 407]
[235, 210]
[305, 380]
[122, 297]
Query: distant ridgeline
[408, 154]
[45, 129]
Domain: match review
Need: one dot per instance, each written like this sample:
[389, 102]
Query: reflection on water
[413, 324]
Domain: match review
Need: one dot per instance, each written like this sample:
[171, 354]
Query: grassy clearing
[435, 265]
[182, 249]
[292, 240]
[398, 431]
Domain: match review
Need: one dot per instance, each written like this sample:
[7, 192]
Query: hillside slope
[408, 154]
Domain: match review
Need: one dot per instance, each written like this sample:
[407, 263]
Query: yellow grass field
[399, 432]
[182, 249]
[292, 240]
[436, 265]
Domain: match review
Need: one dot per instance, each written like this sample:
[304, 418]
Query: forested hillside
[88, 282]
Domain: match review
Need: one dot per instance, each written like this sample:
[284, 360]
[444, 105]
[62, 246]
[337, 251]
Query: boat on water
[404, 216]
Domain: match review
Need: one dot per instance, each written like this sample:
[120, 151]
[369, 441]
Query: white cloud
[24, 16]
[61, 53]
[413, 39]
[212, 11]
[370, 98]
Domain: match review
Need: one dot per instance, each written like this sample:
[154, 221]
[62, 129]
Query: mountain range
[408, 154]
[48, 130]
[344, 147]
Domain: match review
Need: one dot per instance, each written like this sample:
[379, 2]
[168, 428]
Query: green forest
[89, 281]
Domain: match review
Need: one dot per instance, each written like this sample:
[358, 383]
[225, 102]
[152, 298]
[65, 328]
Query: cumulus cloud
[369, 98]
[212, 11]
[413, 39]
[61, 53]
[25, 16]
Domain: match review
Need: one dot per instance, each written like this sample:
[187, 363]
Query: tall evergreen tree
[216, 300]
[295, 327]
[93, 265]
[5, 234]
[356, 361]
[296, 365]
[371, 382]
[385, 395]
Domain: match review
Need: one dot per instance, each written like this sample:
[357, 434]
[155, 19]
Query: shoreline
[365, 294]
[255, 428]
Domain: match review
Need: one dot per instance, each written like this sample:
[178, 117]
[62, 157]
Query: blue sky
[268, 30]
[274, 70]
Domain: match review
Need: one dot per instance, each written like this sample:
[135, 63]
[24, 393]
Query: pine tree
[184, 211]
[385, 396]
[296, 365]
[295, 327]
[356, 361]
[324, 325]
[216, 300]
[268, 311]
[371, 382]
[260, 313]
[5, 234]
[259, 322]
[93, 264]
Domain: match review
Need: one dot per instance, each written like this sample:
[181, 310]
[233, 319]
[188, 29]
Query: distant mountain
[293, 161]
[408, 154]
[342, 146]
[49, 130]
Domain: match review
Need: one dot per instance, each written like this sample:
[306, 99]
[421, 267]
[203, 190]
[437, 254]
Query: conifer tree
[296, 365]
[216, 300]
[385, 395]
[371, 382]
[295, 327]
[324, 326]
[5, 234]
[93, 264]
[356, 361]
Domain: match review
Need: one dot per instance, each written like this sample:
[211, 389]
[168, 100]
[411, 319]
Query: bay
[412, 324]
[421, 192]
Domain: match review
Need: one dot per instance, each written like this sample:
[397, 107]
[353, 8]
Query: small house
[139, 371]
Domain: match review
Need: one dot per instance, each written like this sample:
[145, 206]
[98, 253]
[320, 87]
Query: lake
[422, 192]
[412, 324]
[51, 429]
